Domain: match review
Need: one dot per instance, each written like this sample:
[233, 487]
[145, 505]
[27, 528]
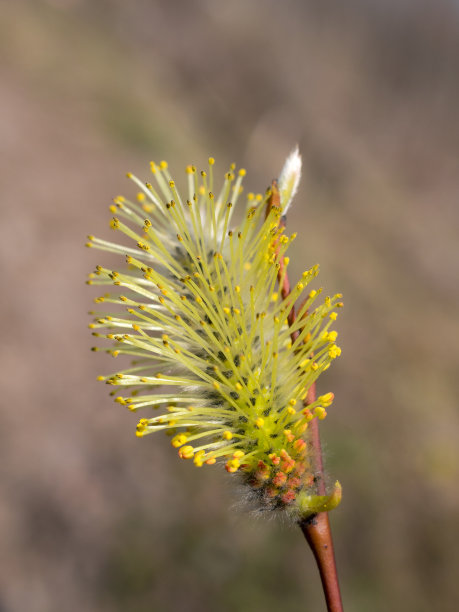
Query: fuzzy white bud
[289, 179]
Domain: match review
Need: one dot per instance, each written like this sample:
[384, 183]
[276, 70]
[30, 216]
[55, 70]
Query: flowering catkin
[216, 364]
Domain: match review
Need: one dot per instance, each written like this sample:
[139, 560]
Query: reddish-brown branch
[316, 528]
[317, 532]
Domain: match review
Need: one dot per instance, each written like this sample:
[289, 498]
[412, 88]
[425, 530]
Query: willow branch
[316, 528]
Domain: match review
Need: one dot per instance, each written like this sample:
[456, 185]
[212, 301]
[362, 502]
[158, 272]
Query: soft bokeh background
[93, 519]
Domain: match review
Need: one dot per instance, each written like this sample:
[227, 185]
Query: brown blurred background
[94, 519]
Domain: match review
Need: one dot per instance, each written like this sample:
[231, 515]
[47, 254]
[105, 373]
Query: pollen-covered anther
[326, 400]
[186, 452]
[299, 445]
[288, 497]
[294, 482]
[288, 463]
[274, 458]
[279, 479]
[199, 458]
[263, 471]
[179, 440]
[141, 427]
[320, 412]
[272, 492]
[334, 351]
[232, 465]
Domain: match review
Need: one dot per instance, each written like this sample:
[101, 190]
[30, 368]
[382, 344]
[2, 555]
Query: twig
[316, 528]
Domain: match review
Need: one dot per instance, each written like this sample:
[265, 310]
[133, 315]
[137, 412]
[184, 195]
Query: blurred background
[94, 519]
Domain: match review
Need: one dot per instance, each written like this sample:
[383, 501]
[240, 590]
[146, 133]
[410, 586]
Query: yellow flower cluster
[211, 347]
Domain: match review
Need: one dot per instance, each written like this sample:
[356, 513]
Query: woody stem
[316, 528]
